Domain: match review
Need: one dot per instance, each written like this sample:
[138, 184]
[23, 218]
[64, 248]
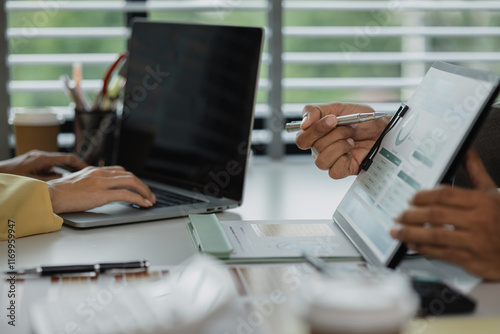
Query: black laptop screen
[188, 108]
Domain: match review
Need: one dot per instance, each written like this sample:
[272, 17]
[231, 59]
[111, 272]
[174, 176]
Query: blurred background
[372, 52]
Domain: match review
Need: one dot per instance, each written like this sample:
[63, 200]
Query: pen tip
[378, 113]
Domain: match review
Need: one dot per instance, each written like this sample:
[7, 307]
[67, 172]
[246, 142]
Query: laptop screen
[445, 112]
[189, 101]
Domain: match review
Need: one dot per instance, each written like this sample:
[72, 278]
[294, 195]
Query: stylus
[318, 264]
[343, 120]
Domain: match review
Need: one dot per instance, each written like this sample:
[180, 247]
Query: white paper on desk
[287, 239]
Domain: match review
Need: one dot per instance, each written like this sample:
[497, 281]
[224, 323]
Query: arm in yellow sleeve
[25, 207]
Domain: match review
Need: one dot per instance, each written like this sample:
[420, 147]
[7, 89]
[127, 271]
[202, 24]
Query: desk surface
[293, 189]
[274, 191]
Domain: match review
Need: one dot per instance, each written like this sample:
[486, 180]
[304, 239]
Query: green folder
[209, 237]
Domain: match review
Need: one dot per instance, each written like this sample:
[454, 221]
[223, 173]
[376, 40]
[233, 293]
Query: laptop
[187, 119]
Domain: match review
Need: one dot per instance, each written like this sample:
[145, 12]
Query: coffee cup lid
[35, 117]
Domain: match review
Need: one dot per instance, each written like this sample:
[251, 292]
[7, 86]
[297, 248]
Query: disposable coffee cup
[359, 305]
[35, 129]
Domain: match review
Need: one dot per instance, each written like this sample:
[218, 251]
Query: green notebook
[208, 236]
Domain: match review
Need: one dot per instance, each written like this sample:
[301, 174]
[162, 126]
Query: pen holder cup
[96, 136]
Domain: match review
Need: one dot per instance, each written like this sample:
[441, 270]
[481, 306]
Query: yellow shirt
[25, 208]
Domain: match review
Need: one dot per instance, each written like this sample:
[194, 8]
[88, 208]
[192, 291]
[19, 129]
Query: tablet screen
[414, 155]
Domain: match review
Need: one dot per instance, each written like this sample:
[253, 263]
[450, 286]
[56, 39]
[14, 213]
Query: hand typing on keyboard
[95, 186]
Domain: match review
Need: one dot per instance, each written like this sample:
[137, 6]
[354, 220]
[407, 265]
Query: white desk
[289, 190]
[293, 189]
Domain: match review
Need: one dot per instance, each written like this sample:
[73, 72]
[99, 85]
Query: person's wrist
[53, 197]
[4, 168]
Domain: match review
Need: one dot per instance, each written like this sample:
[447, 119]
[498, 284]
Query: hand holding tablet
[422, 150]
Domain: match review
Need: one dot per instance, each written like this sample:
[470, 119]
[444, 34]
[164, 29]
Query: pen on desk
[343, 120]
[98, 268]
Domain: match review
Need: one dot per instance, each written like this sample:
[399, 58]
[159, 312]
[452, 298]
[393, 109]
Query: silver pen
[343, 120]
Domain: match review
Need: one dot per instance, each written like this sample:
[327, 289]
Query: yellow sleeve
[25, 207]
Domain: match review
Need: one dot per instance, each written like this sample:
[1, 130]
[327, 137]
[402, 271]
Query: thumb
[310, 115]
[477, 173]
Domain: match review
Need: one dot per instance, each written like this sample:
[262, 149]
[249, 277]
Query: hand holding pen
[339, 149]
[342, 120]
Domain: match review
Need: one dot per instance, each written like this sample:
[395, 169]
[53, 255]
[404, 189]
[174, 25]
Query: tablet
[422, 150]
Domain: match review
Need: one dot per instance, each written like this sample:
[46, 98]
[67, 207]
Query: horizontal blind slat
[386, 57]
[61, 59]
[388, 31]
[288, 57]
[70, 58]
[68, 32]
[295, 32]
[349, 83]
[288, 83]
[122, 6]
[219, 5]
[391, 5]
[18, 86]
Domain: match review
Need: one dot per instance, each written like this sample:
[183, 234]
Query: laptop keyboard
[165, 198]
